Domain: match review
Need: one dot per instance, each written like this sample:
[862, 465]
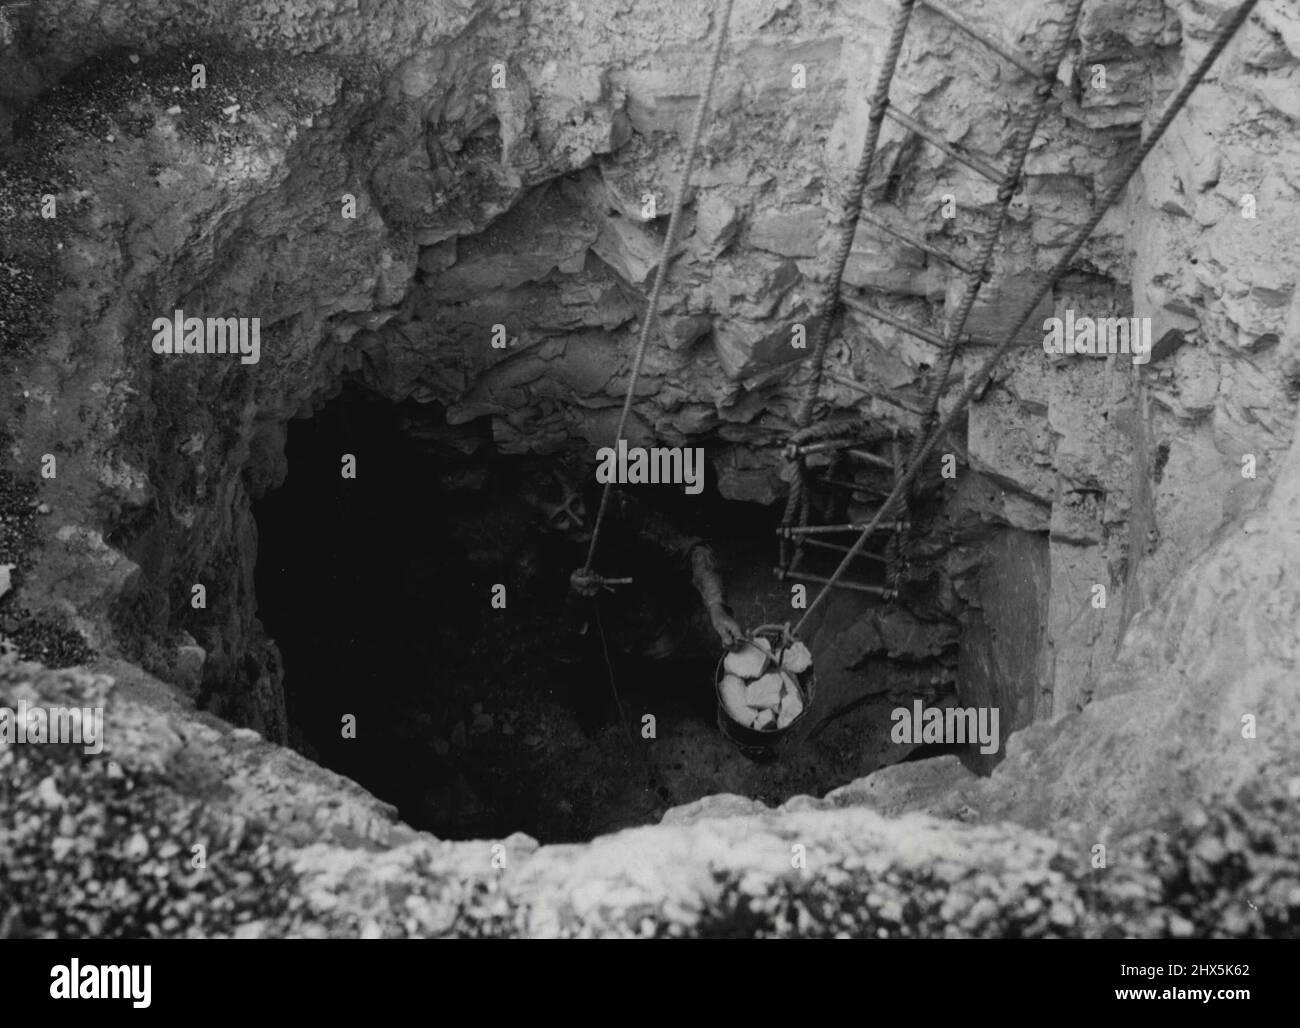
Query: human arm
[700, 558]
[708, 583]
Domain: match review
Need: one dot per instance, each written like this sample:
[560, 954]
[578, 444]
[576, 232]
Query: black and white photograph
[650, 469]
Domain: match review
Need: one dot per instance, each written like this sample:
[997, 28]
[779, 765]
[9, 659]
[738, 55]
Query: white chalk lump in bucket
[760, 687]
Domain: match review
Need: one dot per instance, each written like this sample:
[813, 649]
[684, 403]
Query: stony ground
[105, 845]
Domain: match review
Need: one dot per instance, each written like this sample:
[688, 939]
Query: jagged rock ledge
[104, 846]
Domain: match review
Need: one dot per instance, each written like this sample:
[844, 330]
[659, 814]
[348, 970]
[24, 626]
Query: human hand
[585, 583]
[728, 631]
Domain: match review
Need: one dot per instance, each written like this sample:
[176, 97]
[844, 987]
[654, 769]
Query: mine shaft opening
[477, 720]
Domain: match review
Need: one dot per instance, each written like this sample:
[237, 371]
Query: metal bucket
[761, 744]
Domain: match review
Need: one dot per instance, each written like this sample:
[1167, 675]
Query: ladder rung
[846, 445]
[822, 447]
[871, 458]
[992, 42]
[878, 557]
[919, 243]
[884, 526]
[823, 430]
[875, 590]
[929, 335]
[873, 311]
[934, 139]
[868, 391]
[842, 380]
[857, 487]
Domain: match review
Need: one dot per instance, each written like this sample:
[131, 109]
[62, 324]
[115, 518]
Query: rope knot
[586, 582]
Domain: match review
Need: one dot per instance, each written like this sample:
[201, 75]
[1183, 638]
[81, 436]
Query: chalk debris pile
[760, 688]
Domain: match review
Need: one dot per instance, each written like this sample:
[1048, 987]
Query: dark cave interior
[475, 721]
[554, 715]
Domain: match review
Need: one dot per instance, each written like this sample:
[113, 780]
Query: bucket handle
[787, 636]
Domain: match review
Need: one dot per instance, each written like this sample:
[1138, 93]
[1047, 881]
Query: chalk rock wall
[1131, 471]
[1218, 411]
[524, 206]
[1200, 700]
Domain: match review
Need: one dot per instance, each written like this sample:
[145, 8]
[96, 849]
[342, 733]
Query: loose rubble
[761, 688]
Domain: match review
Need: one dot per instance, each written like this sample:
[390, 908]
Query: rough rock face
[524, 206]
[1201, 698]
[290, 849]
